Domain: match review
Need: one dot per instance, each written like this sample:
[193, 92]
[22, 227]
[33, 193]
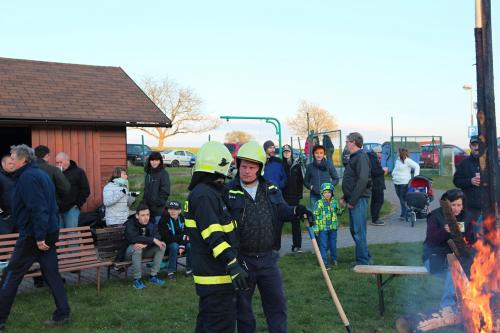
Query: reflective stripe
[272, 187]
[190, 223]
[186, 206]
[216, 227]
[220, 248]
[221, 279]
[236, 192]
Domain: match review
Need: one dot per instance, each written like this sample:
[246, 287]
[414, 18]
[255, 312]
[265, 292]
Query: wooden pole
[488, 159]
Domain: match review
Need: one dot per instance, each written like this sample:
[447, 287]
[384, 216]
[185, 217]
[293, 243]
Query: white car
[176, 158]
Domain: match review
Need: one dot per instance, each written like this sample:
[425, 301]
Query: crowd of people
[229, 231]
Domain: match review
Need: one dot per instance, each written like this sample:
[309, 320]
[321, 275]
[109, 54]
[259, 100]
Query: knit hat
[268, 144]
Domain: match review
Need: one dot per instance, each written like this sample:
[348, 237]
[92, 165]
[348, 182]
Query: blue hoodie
[275, 173]
[34, 206]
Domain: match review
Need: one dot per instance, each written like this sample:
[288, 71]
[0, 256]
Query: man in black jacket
[213, 236]
[144, 242]
[7, 223]
[378, 186]
[70, 204]
[259, 209]
[467, 177]
[293, 191]
[62, 184]
[356, 191]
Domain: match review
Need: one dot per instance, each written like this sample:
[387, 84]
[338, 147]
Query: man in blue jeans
[34, 208]
[356, 186]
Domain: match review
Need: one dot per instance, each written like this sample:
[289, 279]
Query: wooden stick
[328, 282]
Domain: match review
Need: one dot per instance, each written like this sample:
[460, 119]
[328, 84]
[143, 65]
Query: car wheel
[175, 164]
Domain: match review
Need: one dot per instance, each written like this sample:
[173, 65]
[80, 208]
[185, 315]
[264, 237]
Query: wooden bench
[393, 271]
[75, 252]
[110, 241]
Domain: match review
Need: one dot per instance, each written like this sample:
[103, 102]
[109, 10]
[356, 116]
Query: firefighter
[259, 209]
[212, 233]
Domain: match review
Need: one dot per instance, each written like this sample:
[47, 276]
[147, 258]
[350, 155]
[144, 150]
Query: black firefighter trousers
[217, 313]
[264, 273]
[25, 254]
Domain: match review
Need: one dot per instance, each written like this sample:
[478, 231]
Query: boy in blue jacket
[325, 215]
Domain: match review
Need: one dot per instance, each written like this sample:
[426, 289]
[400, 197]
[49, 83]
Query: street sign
[472, 131]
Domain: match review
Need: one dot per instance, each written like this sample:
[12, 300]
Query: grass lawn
[442, 182]
[173, 308]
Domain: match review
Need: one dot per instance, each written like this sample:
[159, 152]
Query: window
[188, 153]
[179, 153]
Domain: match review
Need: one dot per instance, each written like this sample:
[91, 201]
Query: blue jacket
[34, 205]
[319, 173]
[275, 173]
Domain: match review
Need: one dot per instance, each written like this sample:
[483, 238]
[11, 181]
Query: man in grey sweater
[356, 190]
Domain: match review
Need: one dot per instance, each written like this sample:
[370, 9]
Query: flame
[476, 294]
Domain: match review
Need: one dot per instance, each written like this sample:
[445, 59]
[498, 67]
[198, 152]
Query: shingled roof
[37, 91]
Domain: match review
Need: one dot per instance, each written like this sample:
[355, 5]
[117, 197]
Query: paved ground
[393, 231]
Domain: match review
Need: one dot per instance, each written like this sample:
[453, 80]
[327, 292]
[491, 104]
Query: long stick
[327, 279]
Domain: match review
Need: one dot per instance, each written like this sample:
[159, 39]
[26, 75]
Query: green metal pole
[271, 120]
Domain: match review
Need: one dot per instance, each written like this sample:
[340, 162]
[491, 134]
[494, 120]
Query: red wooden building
[79, 109]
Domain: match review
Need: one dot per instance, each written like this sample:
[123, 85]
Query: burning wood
[479, 296]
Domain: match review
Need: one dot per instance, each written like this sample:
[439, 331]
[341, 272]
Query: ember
[479, 296]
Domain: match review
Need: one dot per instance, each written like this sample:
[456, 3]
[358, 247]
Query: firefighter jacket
[213, 237]
[236, 199]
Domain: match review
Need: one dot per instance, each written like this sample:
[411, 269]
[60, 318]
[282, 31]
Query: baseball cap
[174, 205]
[287, 148]
[474, 139]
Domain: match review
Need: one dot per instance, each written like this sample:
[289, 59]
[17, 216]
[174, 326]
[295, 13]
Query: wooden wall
[97, 150]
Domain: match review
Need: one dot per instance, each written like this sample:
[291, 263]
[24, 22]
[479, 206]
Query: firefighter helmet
[253, 152]
[213, 157]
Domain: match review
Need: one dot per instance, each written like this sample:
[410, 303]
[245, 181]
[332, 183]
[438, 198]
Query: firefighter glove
[238, 275]
[301, 210]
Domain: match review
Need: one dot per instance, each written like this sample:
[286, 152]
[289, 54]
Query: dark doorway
[13, 136]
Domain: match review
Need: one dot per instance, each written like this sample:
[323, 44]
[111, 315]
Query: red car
[429, 156]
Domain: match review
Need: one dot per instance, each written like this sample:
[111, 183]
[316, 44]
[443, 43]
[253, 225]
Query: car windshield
[166, 151]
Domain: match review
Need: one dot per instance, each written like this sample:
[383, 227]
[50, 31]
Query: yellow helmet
[213, 157]
[253, 152]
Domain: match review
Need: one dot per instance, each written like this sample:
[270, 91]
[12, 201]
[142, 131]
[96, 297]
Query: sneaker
[156, 280]
[378, 223]
[334, 263]
[60, 322]
[139, 284]
[328, 268]
[189, 272]
[296, 249]
[171, 276]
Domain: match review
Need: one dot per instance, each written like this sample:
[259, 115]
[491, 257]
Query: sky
[364, 61]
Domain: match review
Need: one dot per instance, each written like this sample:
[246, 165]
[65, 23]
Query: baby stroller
[418, 198]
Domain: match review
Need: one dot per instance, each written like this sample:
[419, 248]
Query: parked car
[135, 153]
[429, 156]
[368, 146]
[176, 158]
[192, 162]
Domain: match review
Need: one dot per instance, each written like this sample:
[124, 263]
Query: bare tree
[320, 120]
[182, 107]
[238, 136]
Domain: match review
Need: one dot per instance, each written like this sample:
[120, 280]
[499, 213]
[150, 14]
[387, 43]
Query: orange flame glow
[475, 294]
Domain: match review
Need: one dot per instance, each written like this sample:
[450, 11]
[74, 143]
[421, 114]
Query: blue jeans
[448, 298]
[173, 249]
[357, 226]
[401, 193]
[69, 219]
[328, 239]
[312, 199]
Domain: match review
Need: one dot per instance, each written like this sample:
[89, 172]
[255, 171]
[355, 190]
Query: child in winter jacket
[325, 214]
[171, 227]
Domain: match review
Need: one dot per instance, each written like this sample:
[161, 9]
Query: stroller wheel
[413, 218]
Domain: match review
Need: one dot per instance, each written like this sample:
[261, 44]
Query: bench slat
[398, 270]
[75, 241]
[77, 254]
[75, 235]
[66, 230]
